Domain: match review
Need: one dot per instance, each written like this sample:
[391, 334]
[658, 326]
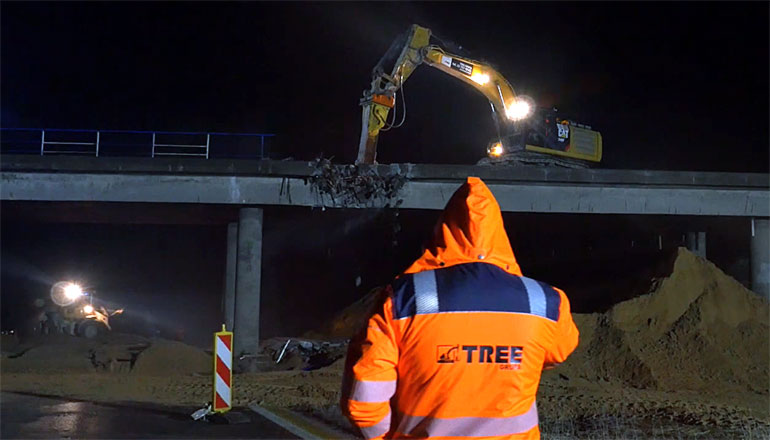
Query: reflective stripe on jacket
[458, 343]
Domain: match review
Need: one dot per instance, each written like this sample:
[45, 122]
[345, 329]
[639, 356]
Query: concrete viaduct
[253, 184]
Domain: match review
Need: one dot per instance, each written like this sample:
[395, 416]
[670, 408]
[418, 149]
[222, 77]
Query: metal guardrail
[133, 143]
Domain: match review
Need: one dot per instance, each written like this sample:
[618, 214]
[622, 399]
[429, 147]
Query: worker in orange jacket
[457, 344]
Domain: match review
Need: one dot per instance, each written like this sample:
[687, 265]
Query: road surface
[25, 416]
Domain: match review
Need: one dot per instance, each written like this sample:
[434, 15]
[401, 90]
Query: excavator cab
[548, 139]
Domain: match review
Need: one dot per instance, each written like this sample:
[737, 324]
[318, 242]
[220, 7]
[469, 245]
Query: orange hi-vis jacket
[458, 343]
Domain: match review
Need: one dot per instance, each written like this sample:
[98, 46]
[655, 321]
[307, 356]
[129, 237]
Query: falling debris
[355, 186]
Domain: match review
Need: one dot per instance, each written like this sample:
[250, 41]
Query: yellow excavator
[525, 133]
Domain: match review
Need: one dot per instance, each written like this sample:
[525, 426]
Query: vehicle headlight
[495, 150]
[73, 291]
[88, 309]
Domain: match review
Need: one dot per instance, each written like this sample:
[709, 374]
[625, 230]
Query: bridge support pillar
[760, 256]
[696, 243]
[247, 281]
[230, 274]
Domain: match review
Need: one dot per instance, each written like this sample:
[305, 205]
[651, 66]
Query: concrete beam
[435, 172]
[587, 198]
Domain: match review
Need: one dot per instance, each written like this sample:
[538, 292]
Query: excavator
[525, 134]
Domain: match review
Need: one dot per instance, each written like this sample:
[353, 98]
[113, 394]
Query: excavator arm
[410, 51]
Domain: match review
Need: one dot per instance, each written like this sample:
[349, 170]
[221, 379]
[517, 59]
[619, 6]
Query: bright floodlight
[520, 109]
[73, 291]
[65, 293]
[88, 309]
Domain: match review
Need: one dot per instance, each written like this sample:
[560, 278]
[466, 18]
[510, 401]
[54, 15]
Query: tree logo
[447, 354]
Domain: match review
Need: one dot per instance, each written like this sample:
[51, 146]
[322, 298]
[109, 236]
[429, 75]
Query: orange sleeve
[565, 337]
[369, 380]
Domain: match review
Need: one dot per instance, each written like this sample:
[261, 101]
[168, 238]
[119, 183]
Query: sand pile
[164, 358]
[344, 324]
[8, 343]
[54, 354]
[698, 329]
[116, 353]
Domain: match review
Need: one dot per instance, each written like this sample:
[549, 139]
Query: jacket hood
[469, 230]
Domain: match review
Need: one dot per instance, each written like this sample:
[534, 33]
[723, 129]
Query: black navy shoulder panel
[403, 297]
[472, 287]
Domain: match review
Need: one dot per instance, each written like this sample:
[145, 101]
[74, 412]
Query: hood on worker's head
[469, 230]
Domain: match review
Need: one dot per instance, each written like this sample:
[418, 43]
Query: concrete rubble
[281, 354]
[355, 186]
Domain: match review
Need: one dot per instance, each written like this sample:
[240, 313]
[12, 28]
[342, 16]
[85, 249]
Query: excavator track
[529, 158]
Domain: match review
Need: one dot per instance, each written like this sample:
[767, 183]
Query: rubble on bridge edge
[337, 185]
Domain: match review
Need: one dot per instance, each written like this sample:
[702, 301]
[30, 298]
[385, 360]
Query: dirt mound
[59, 354]
[351, 319]
[164, 358]
[8, 343]
[698, 329]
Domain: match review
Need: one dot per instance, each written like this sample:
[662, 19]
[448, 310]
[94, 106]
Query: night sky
[670, 86]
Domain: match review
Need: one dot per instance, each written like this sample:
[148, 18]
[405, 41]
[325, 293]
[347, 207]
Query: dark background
[674, 86]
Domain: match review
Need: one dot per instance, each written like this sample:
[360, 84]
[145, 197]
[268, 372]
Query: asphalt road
[25, 416]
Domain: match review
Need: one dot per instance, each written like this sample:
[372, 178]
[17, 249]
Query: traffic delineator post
[223, 371]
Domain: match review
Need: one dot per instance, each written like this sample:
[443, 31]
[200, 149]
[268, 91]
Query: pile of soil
[8, 343]
[354, 317]
[698, 329]
[167, 358]
[115, 353]
[51, 354]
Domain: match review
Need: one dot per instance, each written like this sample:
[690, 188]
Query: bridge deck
[518, 189]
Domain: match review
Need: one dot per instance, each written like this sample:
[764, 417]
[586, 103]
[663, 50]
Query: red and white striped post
[223, 371]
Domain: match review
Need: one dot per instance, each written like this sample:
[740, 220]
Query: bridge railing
[134, 143]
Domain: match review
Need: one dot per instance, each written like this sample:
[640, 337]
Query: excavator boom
[409, 51]
[414, 49]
